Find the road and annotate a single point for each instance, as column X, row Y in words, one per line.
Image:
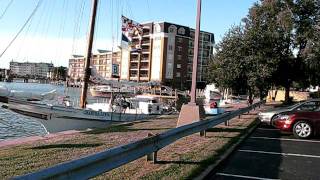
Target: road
column 269, row 154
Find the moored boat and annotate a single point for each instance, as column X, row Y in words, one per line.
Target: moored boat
column 60, row 118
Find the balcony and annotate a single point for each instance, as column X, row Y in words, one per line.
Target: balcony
column 134, row 60
column 144, row 68
column 145, row 43
column 133, row 67
column 145, row 51
column 144, row 60
column 144, row 78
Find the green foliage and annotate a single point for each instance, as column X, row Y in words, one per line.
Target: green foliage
column 278, row 43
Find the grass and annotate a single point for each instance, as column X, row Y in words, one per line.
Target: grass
column 28, row 158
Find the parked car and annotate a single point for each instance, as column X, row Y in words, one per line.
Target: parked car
column 303, row 123
column 268, row 116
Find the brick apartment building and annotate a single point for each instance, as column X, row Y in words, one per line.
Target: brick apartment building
column 101, row 61
column 164, row 53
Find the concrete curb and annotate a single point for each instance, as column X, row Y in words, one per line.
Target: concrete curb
column 227, row 153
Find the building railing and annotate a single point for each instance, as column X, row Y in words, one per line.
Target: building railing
column 96, row 164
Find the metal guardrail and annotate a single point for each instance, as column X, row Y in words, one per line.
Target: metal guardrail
column 93, row 165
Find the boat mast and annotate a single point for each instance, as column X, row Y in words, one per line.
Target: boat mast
column 88, row 55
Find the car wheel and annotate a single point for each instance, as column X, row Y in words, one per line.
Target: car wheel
column 302, row 130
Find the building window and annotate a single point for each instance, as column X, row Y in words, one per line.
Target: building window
column 181, row 31
column 180, row 40
column 178, row 74
column 179, row 48
column 170, row 48
column 178, row 66
column 179, row 57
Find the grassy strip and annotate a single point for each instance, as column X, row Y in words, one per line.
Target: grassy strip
column 177, row 171
column 28, row 158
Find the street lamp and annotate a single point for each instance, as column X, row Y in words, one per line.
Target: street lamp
column 190, row 112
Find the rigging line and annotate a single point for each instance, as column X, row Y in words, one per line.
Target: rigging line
column 117, row 23
column 148, row 6
column 61, row 29
column 37, row 29
column 49, row 21
column 5, row 10
column 77, row 14
column 112, row 13
column 80, row 23
column 23, row 40
column 97, row 29
column 21, row 29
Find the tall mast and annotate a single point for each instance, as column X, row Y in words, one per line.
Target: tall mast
column 88, row 55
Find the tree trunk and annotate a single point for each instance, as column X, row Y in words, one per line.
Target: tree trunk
column 286, row 95
column 250, row 100
column 261, row 94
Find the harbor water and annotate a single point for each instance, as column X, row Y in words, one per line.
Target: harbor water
column 13, row 125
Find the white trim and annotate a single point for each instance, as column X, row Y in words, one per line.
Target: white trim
column 285, row 139
column 241, row 176
column 277, row 153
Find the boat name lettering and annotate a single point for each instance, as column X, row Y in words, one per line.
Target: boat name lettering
column 96, row 113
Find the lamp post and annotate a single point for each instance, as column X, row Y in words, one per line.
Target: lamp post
column 190, row 112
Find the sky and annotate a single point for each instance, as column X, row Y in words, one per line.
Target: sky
column 59, row 28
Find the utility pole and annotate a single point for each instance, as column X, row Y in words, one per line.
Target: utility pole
column 86, row 77
column 190, row 112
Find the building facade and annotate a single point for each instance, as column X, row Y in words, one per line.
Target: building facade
column 103, row 63
column 24, row 69
column 164, row 53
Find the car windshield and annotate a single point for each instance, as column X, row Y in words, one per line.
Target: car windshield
column 294, row 106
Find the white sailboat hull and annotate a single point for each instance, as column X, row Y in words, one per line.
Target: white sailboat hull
column 60, row 118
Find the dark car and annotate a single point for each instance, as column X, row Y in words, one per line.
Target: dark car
column 303, row 123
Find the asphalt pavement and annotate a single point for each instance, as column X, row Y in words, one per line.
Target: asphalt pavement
column 269, row 154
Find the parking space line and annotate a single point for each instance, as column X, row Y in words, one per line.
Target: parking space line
column 284, row 139
column 277, row 153
column 267, row 129
column 241, row 176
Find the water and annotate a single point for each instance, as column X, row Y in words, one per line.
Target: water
column 13, row 125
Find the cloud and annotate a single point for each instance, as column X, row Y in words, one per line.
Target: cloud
column 46, row 49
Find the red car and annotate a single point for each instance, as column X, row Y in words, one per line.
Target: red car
column 303, row 124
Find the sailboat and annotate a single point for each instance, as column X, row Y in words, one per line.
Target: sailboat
column 57, row 118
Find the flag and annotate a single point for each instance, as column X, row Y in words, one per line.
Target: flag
column 130, row 28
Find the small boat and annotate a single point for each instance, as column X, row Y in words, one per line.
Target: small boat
column 57, row 118
column 101, row 91
column 212, row 103
column 6, row 93
column 106, row 91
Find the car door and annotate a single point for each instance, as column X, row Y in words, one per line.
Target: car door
column 310, row 111
column 316, row 118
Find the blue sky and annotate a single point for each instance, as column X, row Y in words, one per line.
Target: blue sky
column 58, row 28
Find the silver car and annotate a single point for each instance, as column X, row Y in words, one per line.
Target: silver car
column 267, row 116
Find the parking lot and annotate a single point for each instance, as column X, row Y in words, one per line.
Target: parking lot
column 268, row 154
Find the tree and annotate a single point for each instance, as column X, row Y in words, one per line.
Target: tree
column 228, row 67
column 307, row 38
column 59, row 73
column 277, row 44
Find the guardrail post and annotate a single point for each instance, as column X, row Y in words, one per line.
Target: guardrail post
column 152, row 156
column 203, row 133
column 226, row 123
